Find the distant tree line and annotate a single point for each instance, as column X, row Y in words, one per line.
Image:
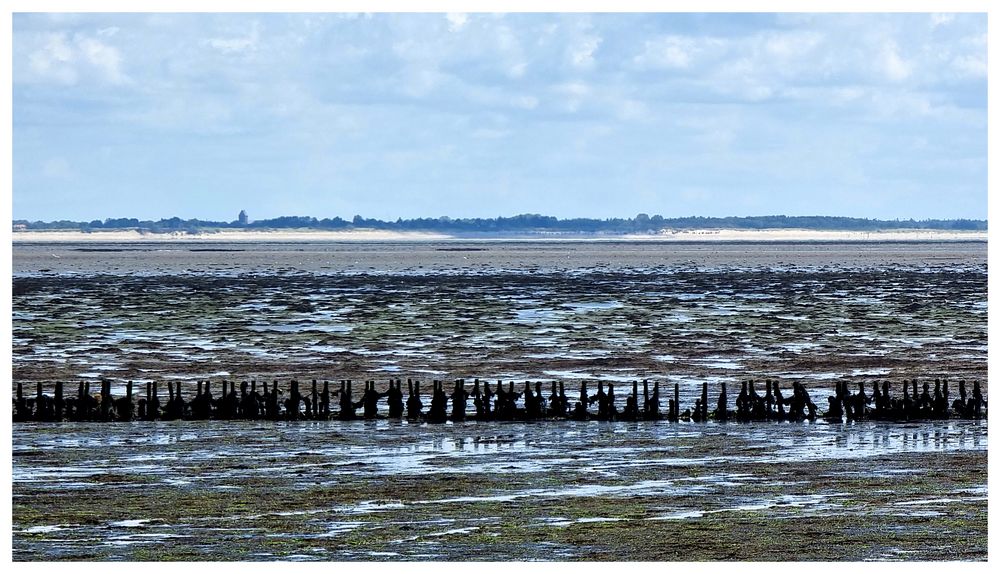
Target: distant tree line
column 524, row 223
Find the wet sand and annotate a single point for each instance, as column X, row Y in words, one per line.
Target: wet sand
column 456, row 257
column 705, row 313
column 812, row 313
column 494, row 491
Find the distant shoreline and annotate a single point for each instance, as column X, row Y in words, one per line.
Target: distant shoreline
column 370, row 235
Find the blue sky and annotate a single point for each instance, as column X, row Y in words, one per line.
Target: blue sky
column 479, row 115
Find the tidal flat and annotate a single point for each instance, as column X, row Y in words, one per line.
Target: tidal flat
column 384, row 490
column 500, row 491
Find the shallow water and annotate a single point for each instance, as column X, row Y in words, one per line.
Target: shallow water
column 675, row 472
column 804, row 312
column 383, row 490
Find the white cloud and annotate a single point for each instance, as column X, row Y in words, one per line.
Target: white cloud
column 572, row 94
column 66, row 61
column 895, row 67
column 54, row 60
column 941, row 19
column 517, row 69
column 237, row 44
column 673, row 51
column 456, row 21
column 792, row 45
column 581, row 54
column 972, row 66
column 105, row 58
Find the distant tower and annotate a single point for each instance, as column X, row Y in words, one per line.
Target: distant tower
column 243, row 217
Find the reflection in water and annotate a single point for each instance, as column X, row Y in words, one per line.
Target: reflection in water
column 388, row 447
column 684, row 471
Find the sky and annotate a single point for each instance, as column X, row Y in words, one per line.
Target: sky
column 480, row 115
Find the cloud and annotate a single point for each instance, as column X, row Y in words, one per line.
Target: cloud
column 941, row 19
column 54, row 60
column 792, row 45
column 581, row 54
column 896, row 68
column 560, row 101
column 678, row 52
column 106, row 59
column 972, row 66
column 64, row 61
column 456, row 21
column 236, row 44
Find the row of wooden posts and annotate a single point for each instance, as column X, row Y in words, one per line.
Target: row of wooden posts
column 492, row 403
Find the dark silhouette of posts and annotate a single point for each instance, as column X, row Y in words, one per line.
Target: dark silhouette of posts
column 721, row 408
column 370, row 400
column 653, row 406
column 324, row 410
column 459, row 401
column 675, row 404
column 978, row 403
column 779, row 401
column 439, row 403
column 750, row 406
column 395, row 399
column 21, row 411
column 40, row 404
column 704, row 401
column 413, row 403
column 554, row 400
column 531, row 403
column 580, row 411
column 645, row 400
column 292, row 405
column 106, row 401
column 124, row 405
column 59, row 403
column 631, row 412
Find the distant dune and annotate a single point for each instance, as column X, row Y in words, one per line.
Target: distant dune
column 293, row 235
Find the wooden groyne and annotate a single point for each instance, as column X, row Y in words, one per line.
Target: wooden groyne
column 497, row 403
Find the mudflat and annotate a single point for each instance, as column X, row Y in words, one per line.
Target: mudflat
column 812, row 313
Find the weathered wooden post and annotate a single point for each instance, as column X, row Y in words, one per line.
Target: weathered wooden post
column 88, row 400
column 677, row 402
column 977, row 401
column 39, row 402
column 59, row 403
column 293, row 401
column 106, row 400
column 181, row 407
column 21, row 405
column 326, row 399
column 704, row 401
column 154, row 403
column 125, row 413
column 645, row 399
column 722, row 409
column 315, row 401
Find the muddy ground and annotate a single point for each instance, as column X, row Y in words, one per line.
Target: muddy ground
column 553, row 491
column 810, row 313
column 815, row 313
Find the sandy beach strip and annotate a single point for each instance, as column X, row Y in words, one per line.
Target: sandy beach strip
column 368, row 235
